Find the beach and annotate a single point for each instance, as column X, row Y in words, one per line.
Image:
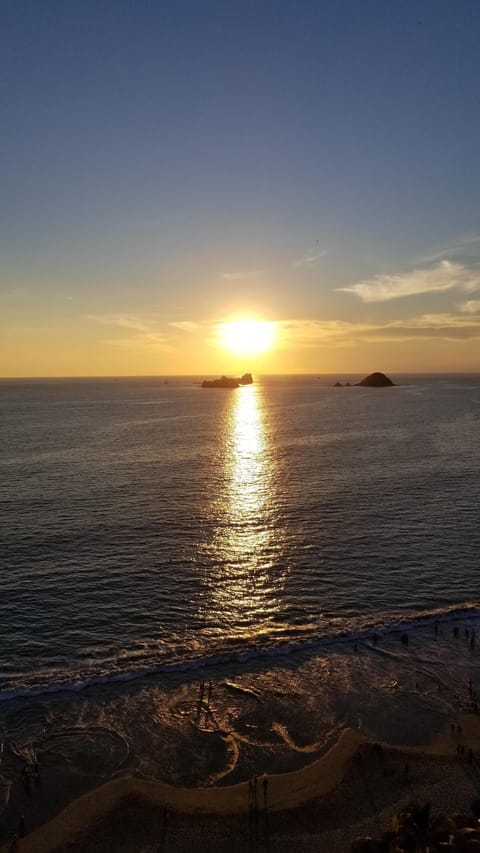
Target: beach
column 354, row 790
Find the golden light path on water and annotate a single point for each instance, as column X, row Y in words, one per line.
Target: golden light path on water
column 244, row 583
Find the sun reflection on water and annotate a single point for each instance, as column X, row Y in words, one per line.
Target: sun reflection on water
column 242, row 579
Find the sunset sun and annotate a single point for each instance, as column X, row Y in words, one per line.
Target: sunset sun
column 247, row 336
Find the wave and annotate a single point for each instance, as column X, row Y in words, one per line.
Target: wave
column 116, row 669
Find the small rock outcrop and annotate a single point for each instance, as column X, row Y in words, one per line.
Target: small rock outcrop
column 246, row 379
column 228, row 381
column 376, row 380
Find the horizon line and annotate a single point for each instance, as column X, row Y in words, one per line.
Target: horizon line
column 199, row 375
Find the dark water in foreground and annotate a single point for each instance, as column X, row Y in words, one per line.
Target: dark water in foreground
column 153, row 536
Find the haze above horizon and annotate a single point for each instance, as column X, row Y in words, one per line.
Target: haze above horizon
column 172, row 172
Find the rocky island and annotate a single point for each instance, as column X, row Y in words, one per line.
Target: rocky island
column 373, row 380
column 228, row 381
column 376, row 380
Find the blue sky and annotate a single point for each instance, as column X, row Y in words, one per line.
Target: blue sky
column 165, row 166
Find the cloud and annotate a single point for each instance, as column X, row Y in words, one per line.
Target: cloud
column 125, row 321
column 470, row 307
column 469, row 243
column 339, row 333
column 236, row 276
column 143, row 337
column 143, row 340
column 185, row 325
column 445, row 276
column 448, row 327
column 310, row 260
column 27, row 294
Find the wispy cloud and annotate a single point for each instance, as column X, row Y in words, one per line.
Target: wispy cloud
column 310, row 260
column 185, row 325
column 449, row 327
column 27, row 294
column 125, row 321
column 444, row 276
column 470, row 307
column 463, row 245
column 339, row 333
column 236, row 276
column 141, row 341
column 144, row 335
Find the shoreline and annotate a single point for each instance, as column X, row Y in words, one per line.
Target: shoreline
column 287, row 792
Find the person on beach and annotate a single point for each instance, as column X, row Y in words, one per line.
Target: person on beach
column 27, row 782
column 201, row 691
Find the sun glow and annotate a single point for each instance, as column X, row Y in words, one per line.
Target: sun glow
column 247, row 336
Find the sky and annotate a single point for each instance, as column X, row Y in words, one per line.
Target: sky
column 170, row 166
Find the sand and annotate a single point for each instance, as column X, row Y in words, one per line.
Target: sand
column 354, row 789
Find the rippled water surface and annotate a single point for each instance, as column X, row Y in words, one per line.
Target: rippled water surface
column 153, row 529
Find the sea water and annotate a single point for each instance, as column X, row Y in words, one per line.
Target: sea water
column 155, row 535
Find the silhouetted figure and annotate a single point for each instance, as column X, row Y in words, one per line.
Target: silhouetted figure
column 355, row 648
column 459, row 729
column 250, row 815
column 436, row 629
column 201, row 691
column 163, row 828
column 455, row 631
column 470, row 756
column 470, row 686
column 452, row 728
column 404, row 639
column 265, row 805
column 255, row 810
column 27, row 782
column 374, row 638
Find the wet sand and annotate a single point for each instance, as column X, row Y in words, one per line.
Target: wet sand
column 352, row 790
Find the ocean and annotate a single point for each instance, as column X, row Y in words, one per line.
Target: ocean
column 272, row 542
